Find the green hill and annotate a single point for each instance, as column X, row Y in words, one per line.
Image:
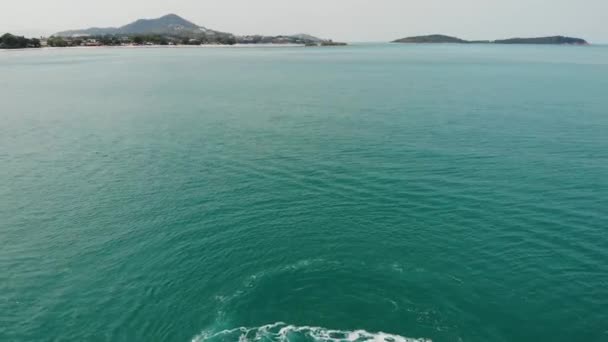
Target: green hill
column 170, row 24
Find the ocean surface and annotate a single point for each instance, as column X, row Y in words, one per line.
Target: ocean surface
column 372, row 192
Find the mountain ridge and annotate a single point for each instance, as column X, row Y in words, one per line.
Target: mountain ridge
column 167, row 24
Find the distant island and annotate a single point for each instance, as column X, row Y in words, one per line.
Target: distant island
column 172, row 29
column 555, row 40
column 433, row 38
column 439, row 38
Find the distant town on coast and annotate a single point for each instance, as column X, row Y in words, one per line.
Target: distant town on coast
column 174, row 30
column 170, row 29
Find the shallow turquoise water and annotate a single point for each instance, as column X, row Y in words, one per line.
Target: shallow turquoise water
column 451, row 193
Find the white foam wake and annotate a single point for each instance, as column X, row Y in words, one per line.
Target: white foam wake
column 285, row 333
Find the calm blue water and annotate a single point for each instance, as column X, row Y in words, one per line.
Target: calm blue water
column 445, row 193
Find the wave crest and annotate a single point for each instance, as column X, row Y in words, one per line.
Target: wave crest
column 284, row 333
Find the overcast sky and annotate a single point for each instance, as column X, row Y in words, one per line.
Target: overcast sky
column 349, row 20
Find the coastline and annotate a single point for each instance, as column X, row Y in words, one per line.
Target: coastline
column 208, row 46
column 271, row 46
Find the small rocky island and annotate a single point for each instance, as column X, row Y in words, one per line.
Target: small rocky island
column 439, row 38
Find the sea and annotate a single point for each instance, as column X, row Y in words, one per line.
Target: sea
column 375, row 192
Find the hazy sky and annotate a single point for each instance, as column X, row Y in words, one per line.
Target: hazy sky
column 349, row 20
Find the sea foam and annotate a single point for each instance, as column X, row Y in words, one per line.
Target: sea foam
column 283, row 332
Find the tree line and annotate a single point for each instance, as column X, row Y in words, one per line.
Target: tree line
column 154, row 39
column 10, row 41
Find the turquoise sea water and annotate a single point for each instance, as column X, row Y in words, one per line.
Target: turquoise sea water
column 450, row 193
